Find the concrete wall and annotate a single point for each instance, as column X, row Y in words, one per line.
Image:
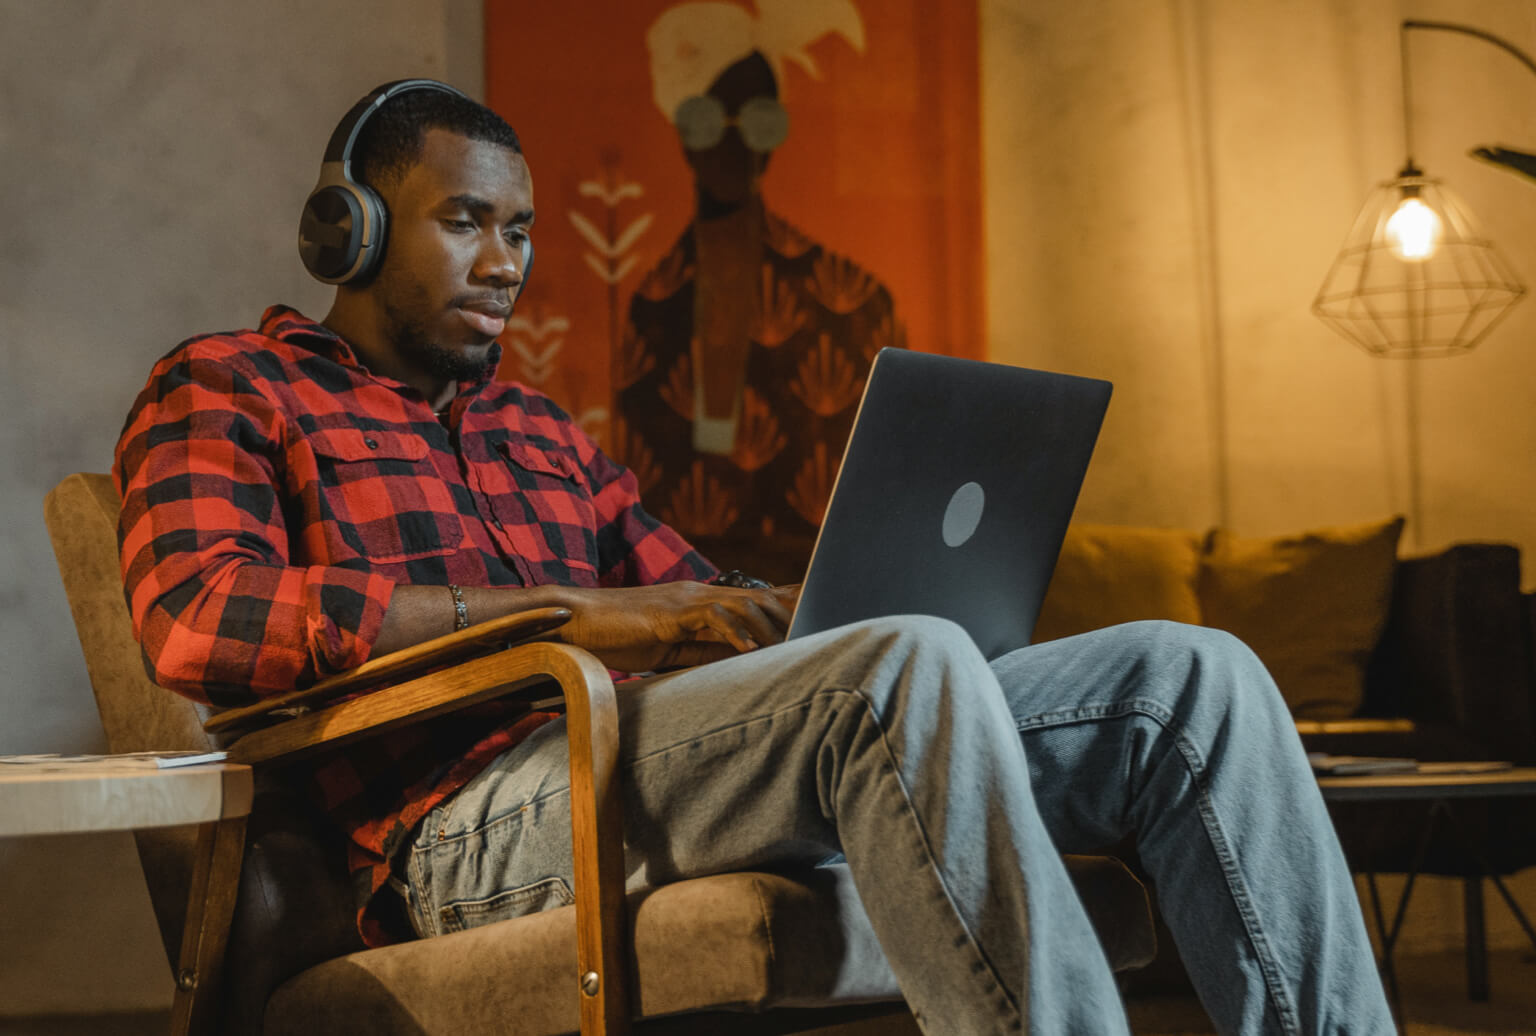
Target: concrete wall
column 1166, row 187
column 153, row 159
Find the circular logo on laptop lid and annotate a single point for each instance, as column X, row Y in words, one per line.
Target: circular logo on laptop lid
column 963, row 514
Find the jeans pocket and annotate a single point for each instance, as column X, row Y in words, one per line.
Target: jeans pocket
column 545, row 894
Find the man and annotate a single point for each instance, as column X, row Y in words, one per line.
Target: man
column 300, row 497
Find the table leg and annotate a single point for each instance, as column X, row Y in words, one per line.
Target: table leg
column 1476, row 936
column 1388, row 970
column 1389, row 935
column 1514, row 907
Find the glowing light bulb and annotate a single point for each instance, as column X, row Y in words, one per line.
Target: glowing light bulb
column 1413, row 231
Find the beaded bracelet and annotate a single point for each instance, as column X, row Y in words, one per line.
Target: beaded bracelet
column 460, row 609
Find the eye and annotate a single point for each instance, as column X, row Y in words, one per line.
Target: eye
column 461, row 226
column 516, row 235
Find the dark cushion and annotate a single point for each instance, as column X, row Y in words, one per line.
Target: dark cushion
column 295, row 905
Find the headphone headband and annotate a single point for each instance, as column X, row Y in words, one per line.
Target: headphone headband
column 344, row 136
column 342, row 229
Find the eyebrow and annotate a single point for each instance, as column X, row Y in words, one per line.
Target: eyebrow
column 480, row 207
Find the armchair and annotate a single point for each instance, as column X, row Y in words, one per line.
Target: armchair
column 793, row 951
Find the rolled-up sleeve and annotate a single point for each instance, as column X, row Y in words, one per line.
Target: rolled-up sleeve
column 222, row 611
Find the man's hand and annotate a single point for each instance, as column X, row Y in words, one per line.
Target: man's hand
column 643, row 628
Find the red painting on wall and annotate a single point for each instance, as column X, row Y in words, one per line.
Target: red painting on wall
column 738, row 205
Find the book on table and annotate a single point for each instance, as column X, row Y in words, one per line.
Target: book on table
column 1326, row 765
column 1358, row 765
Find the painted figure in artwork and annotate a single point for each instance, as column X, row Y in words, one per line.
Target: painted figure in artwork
column 748, row 344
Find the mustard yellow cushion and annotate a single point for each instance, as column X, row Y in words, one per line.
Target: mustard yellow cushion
column 1109, row 574
column 1312, row 606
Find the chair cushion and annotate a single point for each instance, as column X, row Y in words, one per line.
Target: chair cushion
column 700, row 944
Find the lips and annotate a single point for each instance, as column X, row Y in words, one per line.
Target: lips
column 487, row 316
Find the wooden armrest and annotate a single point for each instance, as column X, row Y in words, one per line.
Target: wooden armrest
column 601, row 982
column 493, row 635
column 526, row 670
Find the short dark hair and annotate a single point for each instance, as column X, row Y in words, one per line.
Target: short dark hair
column 392, row 139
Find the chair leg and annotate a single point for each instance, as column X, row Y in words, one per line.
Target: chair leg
column 210, row 907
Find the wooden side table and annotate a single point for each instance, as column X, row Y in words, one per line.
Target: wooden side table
column 95, row 795
column 64, row 797
column 1440, row 791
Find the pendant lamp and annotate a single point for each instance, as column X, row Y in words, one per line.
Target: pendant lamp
column 1416, row 275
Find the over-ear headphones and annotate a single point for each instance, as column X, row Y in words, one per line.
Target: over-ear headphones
column 343, row 228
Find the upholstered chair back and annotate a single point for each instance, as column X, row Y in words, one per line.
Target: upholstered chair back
column 138, row 716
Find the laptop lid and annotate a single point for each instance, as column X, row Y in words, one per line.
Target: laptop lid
column 954, row 496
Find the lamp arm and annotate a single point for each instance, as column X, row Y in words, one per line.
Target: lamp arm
column 1467, row 30
column 1517, row 161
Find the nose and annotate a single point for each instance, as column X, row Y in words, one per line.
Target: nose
column 502, row 263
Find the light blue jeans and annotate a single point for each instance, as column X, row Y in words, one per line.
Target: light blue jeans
column 952, row 787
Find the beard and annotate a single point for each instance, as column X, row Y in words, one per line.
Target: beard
column 441, row 360
column 409, row 334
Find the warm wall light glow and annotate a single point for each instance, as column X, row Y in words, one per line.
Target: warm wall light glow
column 1413, row 231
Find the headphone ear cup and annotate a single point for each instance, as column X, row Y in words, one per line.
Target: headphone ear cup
column 341, row 233
column 344, row 226
column 376, row 235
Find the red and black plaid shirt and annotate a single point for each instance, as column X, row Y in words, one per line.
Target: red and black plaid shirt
column 274, row 494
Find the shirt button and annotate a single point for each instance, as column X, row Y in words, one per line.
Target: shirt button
column 496, row 522
column 371, row 444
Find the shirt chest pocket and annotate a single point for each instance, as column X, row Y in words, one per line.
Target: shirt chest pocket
column 379, row 497
column 548, row 496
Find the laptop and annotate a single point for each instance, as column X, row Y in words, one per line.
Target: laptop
column 954, row 496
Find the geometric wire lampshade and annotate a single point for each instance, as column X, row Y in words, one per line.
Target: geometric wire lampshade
column 1423, row 283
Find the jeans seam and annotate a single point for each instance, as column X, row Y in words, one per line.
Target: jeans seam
column 519, row 810
column 1237, row 886
column 798, row 706
column 447, row 806
column 422, row 903
column 927, row 847
column 497, row 821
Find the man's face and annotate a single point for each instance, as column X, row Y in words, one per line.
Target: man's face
column 458, row 220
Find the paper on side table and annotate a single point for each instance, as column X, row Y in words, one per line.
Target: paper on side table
column 54, row 763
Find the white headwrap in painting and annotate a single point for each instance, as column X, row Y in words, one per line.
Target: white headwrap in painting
column 692, row 43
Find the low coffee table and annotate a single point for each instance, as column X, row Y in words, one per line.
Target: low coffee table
column 1441, row 792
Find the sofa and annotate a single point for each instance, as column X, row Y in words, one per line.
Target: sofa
column 1427, row 657
column 1376, row 654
